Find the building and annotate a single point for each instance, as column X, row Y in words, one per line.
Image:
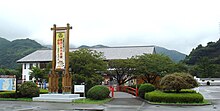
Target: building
column 208, row 81
column 40, row 58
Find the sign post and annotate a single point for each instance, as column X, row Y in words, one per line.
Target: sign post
column 60, row 60
column 8, row 83
column 80, row 89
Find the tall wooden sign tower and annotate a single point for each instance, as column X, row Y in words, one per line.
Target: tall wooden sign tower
column 60, row 60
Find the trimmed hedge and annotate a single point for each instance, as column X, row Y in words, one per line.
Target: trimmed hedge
column 98, row 92
column 12, row 94
column 181, row 91
column 158, row 96
column 145, row 88
column 7, row 94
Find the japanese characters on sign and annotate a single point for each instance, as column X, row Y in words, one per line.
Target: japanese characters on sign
column 60, row 50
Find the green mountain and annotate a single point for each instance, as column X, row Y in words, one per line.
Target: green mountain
column 3, row 43
column 211, row 51
column 11, row 51
column 174, row 55
column 84, row 46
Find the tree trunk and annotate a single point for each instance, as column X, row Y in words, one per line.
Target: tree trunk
column 178, row 90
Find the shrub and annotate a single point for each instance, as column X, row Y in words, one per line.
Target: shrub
column 98, row 92
column 29, row 89
column 158, row 96
column 178, row 81
column 144, row 88
column 8, row 94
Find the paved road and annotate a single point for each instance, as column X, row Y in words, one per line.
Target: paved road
column 124, row 102
column 43, row 106
column 121, row 102
column 209, row 92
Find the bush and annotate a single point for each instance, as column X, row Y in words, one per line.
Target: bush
column 29, row 89
column 145, row 88
column 178, row 81
column 158, row 96
column 7, row 94
column 98, row 92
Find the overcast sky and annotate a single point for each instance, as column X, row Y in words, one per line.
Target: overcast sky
column 174, row 24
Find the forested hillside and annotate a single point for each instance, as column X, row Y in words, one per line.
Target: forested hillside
column 172, row 54
column 211, row 51
column 205, row 60
column 11, row 51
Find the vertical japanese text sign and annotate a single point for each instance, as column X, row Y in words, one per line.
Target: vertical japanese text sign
column 60, row 50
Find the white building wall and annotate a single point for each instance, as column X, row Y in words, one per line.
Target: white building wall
column 26, row 70
column 203, row 81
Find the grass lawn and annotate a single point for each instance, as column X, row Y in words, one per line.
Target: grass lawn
column 44, row 91
column 90, row 101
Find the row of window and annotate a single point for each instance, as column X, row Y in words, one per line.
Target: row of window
column 24, row 78
column 42, row 65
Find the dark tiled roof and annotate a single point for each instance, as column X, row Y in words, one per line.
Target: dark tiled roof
column 109, row 53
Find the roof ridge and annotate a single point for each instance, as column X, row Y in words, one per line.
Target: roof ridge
column 116, row 47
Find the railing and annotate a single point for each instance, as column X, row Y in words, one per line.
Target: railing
column 111, row 89
column 133, row 91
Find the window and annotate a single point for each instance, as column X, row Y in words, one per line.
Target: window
column 31, row 65
column 43, row 65
column 30, row 78
column 24, row 77
column 24, row 66
column 37, row 65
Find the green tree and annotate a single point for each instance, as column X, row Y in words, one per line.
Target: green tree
column 204, row 68
column 211, row 51
column 180, row 67
column 149, row 66
column 37, row 73
column 123, row 70
column 87, row 67
column 41, row 74
column 4, row 71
